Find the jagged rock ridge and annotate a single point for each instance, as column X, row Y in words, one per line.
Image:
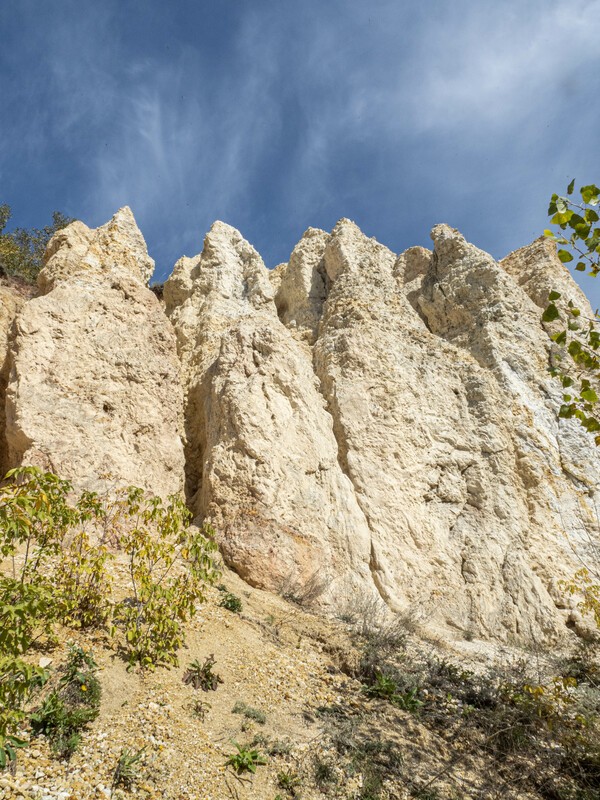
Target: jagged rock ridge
column 356, row 424
column 467, row 493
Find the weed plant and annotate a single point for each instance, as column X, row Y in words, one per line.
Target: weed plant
column 245, row 760
column 231, row 602
column 249, row 712
column 289, row 781
column 70, row 705
column 201, row 676
column 127, row 771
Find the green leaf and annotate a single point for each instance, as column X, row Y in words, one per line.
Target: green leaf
column 571, row 186
column 590, row 194
column 565, row 256
column 562, row 204
column 580, row 266
column 561, row 217
column 548, row 234
column 582, row 229
column 589, row 395
column 553, row 296
column 550, row 314
column 560, row 338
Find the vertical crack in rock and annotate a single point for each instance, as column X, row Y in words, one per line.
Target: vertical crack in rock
column 361, row 361
column 302, row 286
column 10, row 303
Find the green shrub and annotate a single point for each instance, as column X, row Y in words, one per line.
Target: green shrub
column 127, row 770
column 26, row 610
column 18, row 681
column 59, row 560
column 231, row 602
column 58, row 554
column 83, row 583
column 249, row 712
column 385, row 687
column 584, row 585
column 289, row 781
column 22, row 250
column 170, row 565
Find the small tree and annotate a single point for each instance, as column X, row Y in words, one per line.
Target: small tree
column 22, row 250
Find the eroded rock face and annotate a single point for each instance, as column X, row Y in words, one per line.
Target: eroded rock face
column 303, row 285
column 95, row 381
column 261, row 453
column 10, row 303
column 357, row 424
column 538, row 270
column 426, row 460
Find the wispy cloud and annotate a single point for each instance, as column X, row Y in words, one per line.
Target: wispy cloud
column 279, row 116
column 502, row 61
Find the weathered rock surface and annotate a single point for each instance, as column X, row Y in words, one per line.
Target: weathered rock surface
column 261, row 454
column 357, row 424
column 538, row 271
column 95, row 381
column 460, row 488
column 10, row 302
column 303, row 285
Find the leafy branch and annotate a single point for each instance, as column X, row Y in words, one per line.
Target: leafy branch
column 577, row 363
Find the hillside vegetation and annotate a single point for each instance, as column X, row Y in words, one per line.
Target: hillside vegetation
column 125, row 669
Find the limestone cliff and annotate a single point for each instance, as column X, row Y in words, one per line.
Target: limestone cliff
column 356, row 423
column 10, row 303
column 436, row 459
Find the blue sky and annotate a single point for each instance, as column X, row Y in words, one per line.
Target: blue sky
column 274, row 115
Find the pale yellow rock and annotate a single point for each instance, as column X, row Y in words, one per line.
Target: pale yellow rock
column 77, row 251
column 95, row 381
column 261, row 454
column 435, row 373
column 359, row 425
column 538, row 271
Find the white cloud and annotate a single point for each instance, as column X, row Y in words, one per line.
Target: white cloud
column 502, row 61
column 296, row 99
